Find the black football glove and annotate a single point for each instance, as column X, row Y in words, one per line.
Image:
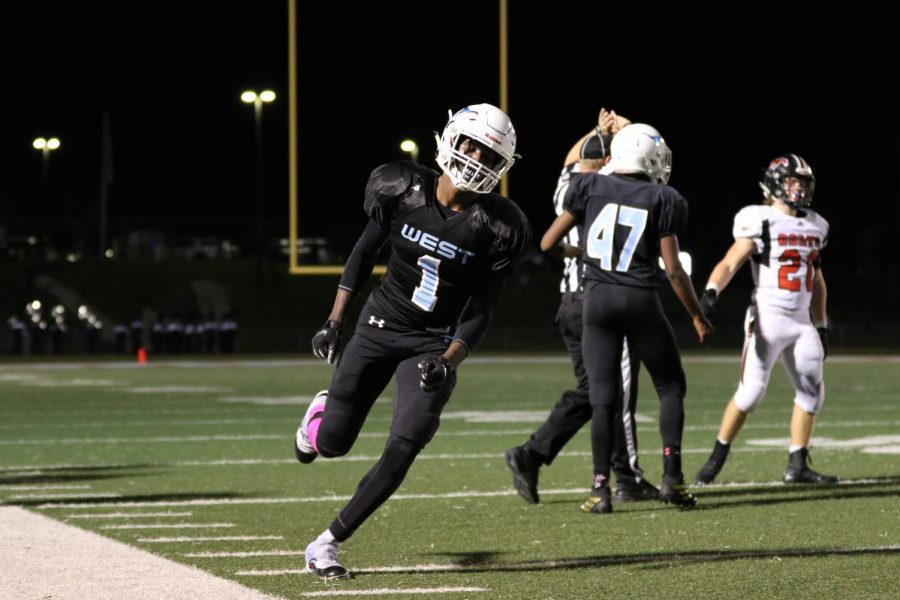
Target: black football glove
column 823, row 335
column 435, row 370
column 327, row 341
column 708, row 304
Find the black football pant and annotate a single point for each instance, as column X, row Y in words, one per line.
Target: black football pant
column 371, row 357
column 612, row 313
column 573, row 409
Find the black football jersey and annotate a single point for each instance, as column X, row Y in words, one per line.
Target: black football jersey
column 438, row 257
column 623, row 219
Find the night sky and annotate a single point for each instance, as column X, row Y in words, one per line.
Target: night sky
column 728, row 88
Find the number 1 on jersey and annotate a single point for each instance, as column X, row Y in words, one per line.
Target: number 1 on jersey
column 425, row 294
column 603, row 232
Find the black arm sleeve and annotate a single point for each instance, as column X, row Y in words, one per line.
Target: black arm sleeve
column 477, row 316
column 362, row 260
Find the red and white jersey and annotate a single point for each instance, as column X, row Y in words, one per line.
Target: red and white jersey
column 786, row 254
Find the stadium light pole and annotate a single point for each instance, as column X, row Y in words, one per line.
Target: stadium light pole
column 412, row 148
column 257, row 100
column 46, row 146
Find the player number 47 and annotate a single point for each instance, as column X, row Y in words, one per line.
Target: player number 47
column 601, row 235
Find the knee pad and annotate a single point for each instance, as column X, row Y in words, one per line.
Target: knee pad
column 811, row 403
column 749, row 395
column 399, row 455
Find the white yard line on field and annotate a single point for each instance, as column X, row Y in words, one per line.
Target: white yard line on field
column 49, row 486
column 392, row 591
column 20, row 371
column 150, row 440
column 569, row 563
column 400, row 497
column 172, row 526
column 43, row 558
column 220, row 538
column 71, row 496
column 127, row 515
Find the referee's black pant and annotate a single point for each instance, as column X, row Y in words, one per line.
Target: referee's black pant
column 573, row 409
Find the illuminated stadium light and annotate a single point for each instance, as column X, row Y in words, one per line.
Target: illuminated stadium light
column 686, row 262
column 411, row 147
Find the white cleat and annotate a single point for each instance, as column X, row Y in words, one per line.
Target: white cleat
column 321, row 560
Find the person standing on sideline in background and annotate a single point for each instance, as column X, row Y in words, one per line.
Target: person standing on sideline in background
column 453, row 243
column 631, row 218
column 588, row 155
column 787, row 315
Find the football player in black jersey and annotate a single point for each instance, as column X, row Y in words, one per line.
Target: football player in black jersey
column 570, row 413
column 631, row 218
column 453, row 242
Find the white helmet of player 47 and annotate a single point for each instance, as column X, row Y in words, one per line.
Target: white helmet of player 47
column 639, row 148
column 489, row 127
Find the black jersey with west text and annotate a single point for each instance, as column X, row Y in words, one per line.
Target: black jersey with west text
column 438, row 257
column 623, row 219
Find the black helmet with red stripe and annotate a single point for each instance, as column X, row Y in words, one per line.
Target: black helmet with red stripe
column 789, row 179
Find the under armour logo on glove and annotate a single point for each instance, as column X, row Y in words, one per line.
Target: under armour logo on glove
column 435, row 370
column 327, row 341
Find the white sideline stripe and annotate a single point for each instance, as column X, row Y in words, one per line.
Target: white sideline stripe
column 43, row 558
column 824, row 442
column 244, row 554
column 151, row 440
column 535, row 359
column 176, row 389
column 172, row 526
column 127, row 515
column 38, row 469
column 45, row 487
column 221, row 538
column 894, row 449
column 188, row 423
column 72, row 496
column 547, row 564
column 448, row 495
column 392, row 591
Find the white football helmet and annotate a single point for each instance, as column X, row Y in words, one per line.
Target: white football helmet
column 487, row 125
column 639, row 148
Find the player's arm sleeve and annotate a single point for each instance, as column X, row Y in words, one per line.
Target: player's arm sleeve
column 477, row 315
column 575, row 197
column 362, row 259
column 673, row 216
column 749, row 224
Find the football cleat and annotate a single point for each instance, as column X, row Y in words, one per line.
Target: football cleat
column 598, row 501
column 627, row 491
column 321, row 560
column 709, row 471
column 524, row 469
column 799, row 472
column 303, row 447
column 677, row 493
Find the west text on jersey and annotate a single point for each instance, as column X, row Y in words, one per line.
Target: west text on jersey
column 434, row 244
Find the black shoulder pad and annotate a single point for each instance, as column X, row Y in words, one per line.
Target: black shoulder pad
column 387, row 185
column 510, row 228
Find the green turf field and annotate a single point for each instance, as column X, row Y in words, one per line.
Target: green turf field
column 139, row 454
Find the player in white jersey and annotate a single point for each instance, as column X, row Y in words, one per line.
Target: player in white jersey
column 786, row 318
